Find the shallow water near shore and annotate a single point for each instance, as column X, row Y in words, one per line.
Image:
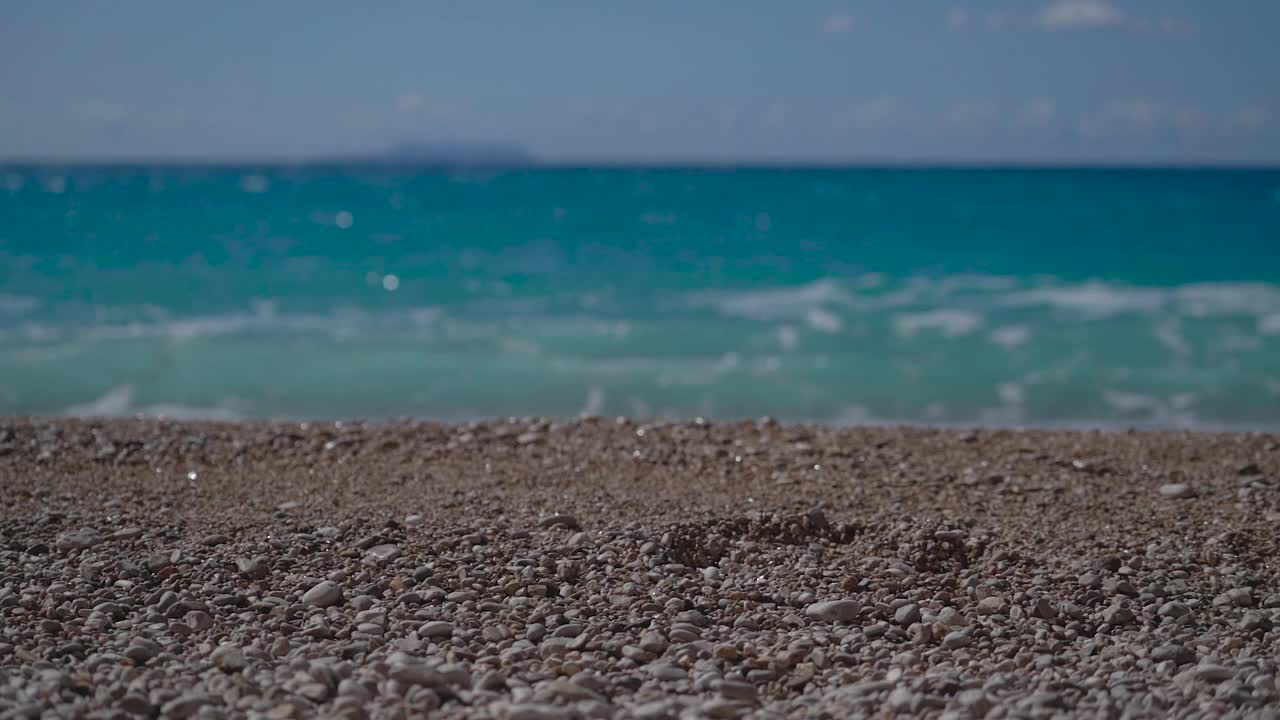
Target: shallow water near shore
column 1102, row 298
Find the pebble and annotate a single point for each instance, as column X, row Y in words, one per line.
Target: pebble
column 436, row 629
column 559, row 520
column 724, row 708
column 1213, row 673
column 734, row 690
column 384, row 553
column 81, row 539
column 1174, row 652
column 253, row 568
column 864, row 609
column 414, row 674
column 992, row 605
column 1251, row 621
column 566, row 690
column 665, row 672
column 1177, row 490
column 285, row 711
column 1239, row 597
column 323, row 594
column 834, row 611
column 1118, row 615
column 188, row 705
column 140, row 650
column 535, row 711
column 229, row 658
column 907, row 615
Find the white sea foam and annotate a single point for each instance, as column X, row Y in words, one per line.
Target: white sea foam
column 119, row 402
column 1169, row 333
column 778, row 303
column 168, row 411
column 342, row 323
column 1092, row 298
column 824, row 321
column 1269, row 324
column 1010, row 336
column 1096, row 298
column 594, row 403
column 114, row 402
column 1207, row 299
column 1011, row 393
column 951, row 323
column 1129, row 401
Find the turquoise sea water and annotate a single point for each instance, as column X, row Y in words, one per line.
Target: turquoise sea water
column 949, row 296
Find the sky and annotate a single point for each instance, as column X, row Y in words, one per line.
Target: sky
column 878, row 80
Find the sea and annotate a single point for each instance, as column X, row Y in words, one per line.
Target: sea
column 1011, row 297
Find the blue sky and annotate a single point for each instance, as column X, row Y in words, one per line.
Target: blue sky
column 1075, row 80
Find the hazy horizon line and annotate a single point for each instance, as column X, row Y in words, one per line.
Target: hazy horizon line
column 608, row 162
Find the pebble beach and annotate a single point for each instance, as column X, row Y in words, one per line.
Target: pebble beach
column 531, row 570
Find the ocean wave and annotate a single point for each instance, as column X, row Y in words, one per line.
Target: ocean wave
column 1010, row 336
column 951, row 323
column 1091, row 298
column 264, row 319
column 119, row 402
column 775, row 303
column 1269, row 324
column 1096, row 298
column 981, row 293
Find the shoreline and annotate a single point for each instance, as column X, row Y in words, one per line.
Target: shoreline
column 602, row 568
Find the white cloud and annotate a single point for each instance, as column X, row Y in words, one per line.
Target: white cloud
column 1073, row 14
column 1092, row 14
column 412, row 103
column 838, row 24
column 1036, row 113
column 968, row 115
column 957, row 18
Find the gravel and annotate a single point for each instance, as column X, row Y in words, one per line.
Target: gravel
column 601, row 569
